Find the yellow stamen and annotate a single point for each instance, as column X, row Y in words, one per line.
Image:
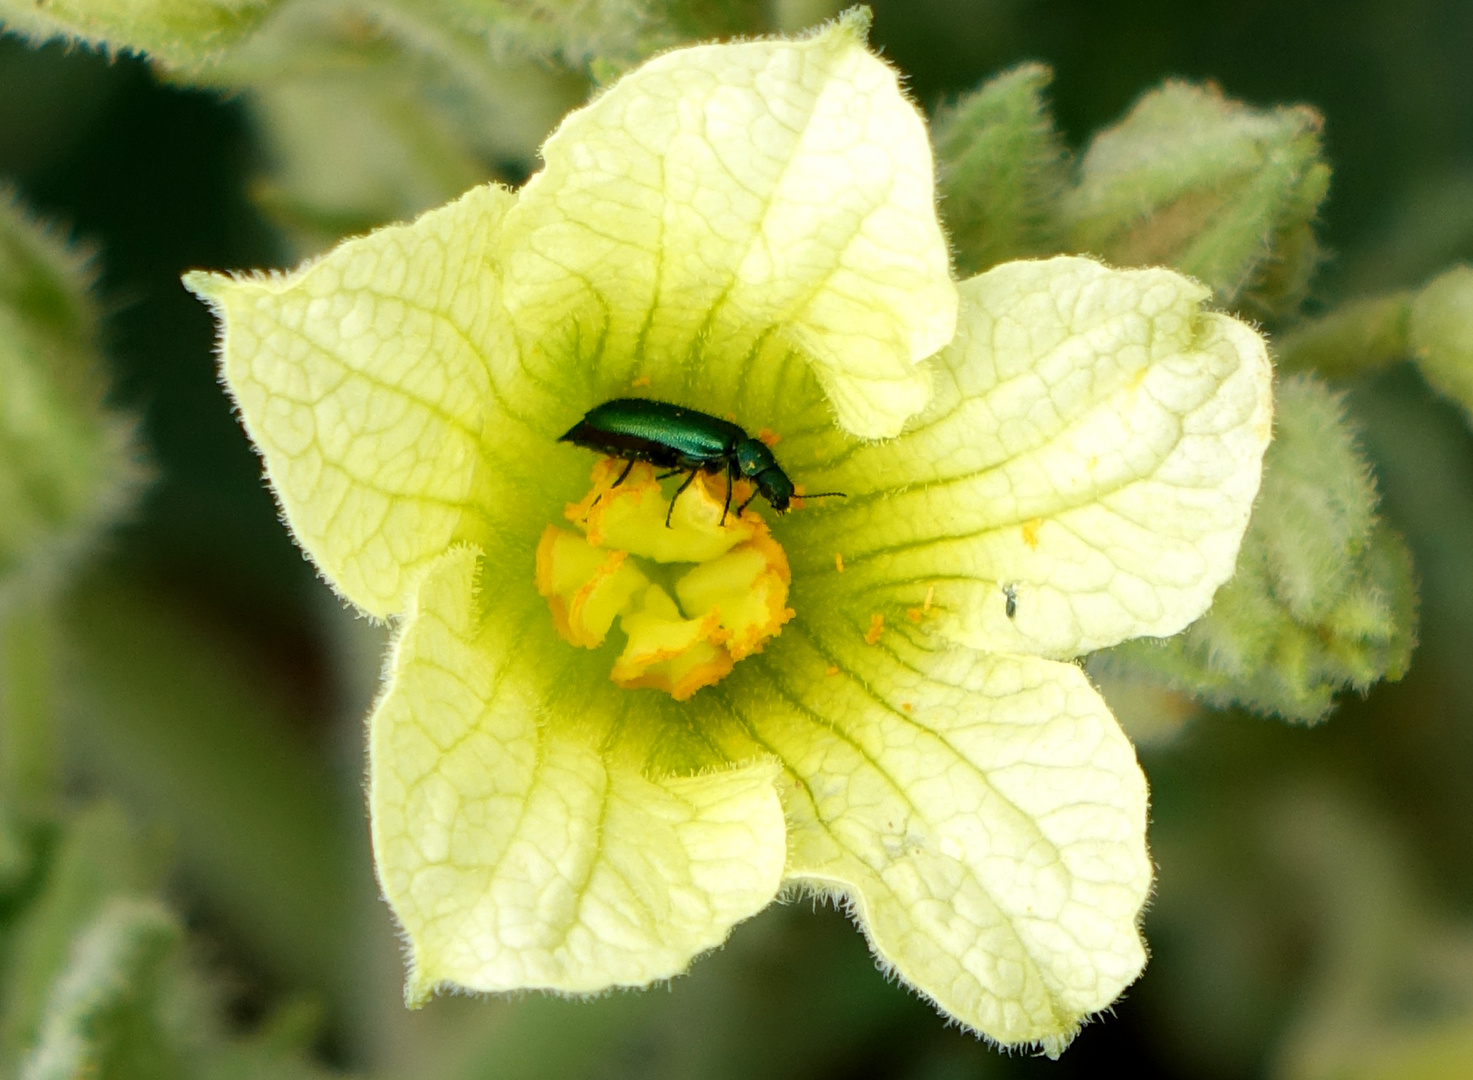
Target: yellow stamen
column 668, row 652
column 838, row 562
column 586, row 587
column 731, row 601
column 631, row 517
column 930, row 595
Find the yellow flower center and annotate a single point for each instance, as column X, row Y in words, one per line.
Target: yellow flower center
column 725, row 606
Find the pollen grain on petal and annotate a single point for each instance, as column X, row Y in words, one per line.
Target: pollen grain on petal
column 876, row 628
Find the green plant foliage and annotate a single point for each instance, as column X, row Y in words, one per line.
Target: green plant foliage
column 1324, row 597
column 68, row 465
column 101, row 1015
column 182, row 33
column 1001, row 170
column 368, row 117
column 616, row 32
column 1440, row 333
column 1221, row 191
column 1361, row 335
column 100, row 856
column 1431, row 325
column 373, row 112
column 167, row 718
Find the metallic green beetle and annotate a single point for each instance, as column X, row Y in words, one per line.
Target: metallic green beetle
column 676, row 438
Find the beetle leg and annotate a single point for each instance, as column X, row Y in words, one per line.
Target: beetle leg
column 746, row 504
column 615, row 484
column 668, row 475
column 678, row 493
column 731, row 468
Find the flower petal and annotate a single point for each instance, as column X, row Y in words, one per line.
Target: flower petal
column 983, row 817
column 522, row 840
column 1083, row 475
column 734, row 203
column 362, row 379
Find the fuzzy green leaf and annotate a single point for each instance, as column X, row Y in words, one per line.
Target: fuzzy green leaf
column 1216, row 189
column 1324, row 597
column 182, row 33
column 100, row 857
column 67, row 464
column 1000, row 164
column 101, row 1016
column 1359, row 336
column 375, row 118
column 1440, row 334
column 612, row 33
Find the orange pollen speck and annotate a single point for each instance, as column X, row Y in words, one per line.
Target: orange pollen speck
column 643, row 380
column 832, row 669
column 770, row 437
column 838, row 562
column 1030, row 531
column 876, row 628
column 907, row 706
column 913, row 614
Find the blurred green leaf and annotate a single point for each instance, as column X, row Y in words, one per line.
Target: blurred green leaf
column 172, row 719
column 373, row 115
column 793, row 995
column 177, row 32
column 68, row 465
column 97, row 987
column 28, row 766
column 1221, row 191
column 1324, row 597
column 375, row 111
column 620, row 32
column 100, row 856
column 1000, row 170
column 1432, row 325
column 101, row 1019
column 1440, row 334
column 1389, row 992
column 1361, row 335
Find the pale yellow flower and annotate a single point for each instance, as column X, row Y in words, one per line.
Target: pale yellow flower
column 749, row 230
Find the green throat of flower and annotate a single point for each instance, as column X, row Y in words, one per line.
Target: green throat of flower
column 632, row 550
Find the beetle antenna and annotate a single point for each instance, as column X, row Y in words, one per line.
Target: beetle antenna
column 824, row 495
